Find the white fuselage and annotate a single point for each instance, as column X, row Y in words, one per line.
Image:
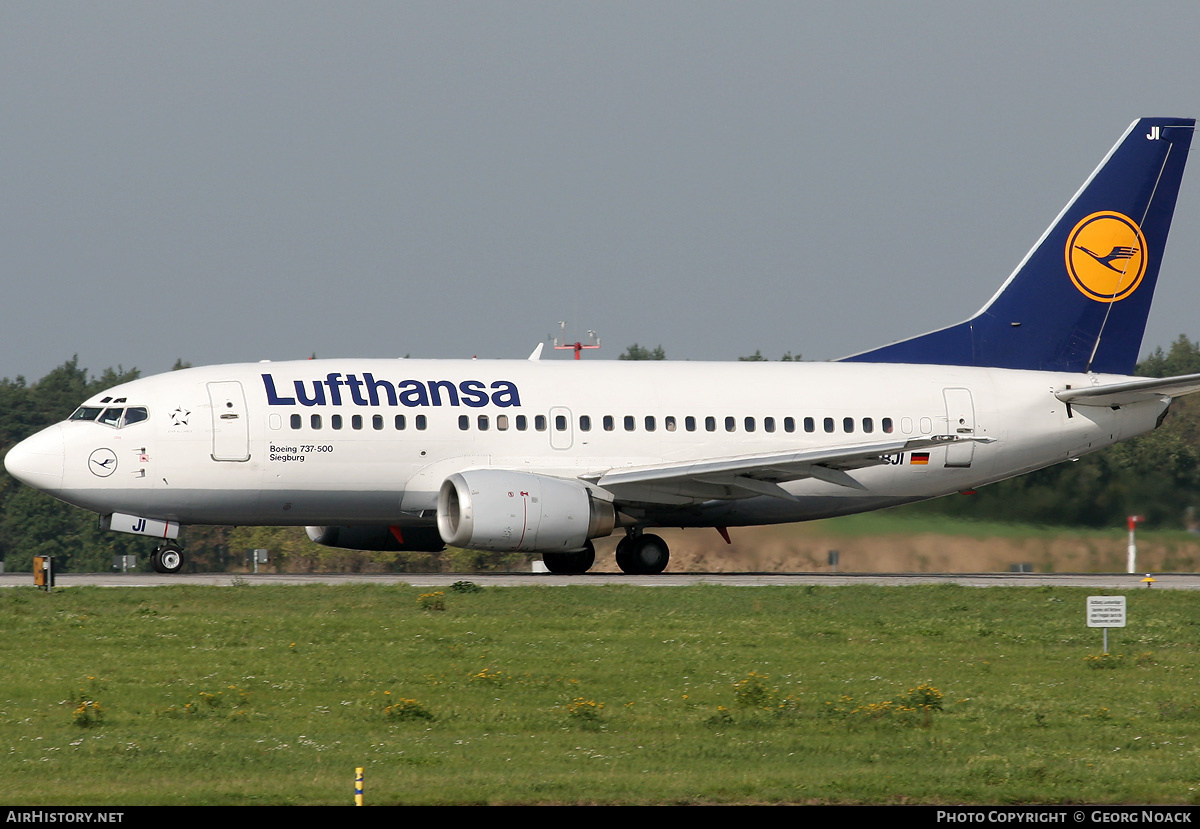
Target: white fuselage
column 371, row 441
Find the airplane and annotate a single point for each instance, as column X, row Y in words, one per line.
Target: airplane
column 545, row 456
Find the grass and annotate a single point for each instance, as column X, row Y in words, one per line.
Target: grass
column 610, row 694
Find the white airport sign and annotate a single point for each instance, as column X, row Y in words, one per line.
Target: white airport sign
column 1106, row 611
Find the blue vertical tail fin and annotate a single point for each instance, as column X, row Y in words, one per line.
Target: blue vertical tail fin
column 1080, row 298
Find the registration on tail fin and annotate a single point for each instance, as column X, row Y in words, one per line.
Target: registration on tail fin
column 1080, row 298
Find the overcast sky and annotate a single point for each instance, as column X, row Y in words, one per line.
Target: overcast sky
column 229, row 181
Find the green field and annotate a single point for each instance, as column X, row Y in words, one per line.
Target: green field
column 621, row 694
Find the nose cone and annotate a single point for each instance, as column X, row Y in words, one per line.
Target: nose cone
column 38, row 460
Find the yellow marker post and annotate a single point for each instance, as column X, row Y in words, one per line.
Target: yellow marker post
column 1149, row 580
column 43, row 572
column 358, row 786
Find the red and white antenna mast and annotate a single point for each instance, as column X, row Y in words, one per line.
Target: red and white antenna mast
column 593, row 341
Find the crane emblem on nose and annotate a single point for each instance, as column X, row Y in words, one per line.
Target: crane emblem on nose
column 103, row 462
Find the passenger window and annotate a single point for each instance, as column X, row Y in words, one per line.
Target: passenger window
column 749, row 424
column 502, row 423
column 539, row 423
column 768, row 424
column 560, row 423
column 868, row 424
column 828, row 424
column 585, row 423
column 789, row 424
column 730, row 424
column 649, row 423
column 689, row 423
column 669, row 423
column 483, row 423
column 297, row 421
column 809, row 425
column 315, row 421
column 421, row 423
column 629, row 423
column 377, row 422
column 356, row 422
column 847, row 424
column 400, row 422
column 335, row 421
column 522, row 423
column 464, row 422
column 887, row 425
column 710, row 424
column 609, row 423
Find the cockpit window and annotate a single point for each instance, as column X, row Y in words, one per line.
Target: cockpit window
column 115, row 416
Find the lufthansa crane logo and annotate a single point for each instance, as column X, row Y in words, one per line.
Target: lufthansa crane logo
column 1106, row 256
column 103, row 462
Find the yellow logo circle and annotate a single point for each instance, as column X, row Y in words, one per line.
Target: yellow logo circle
column 1106, row 256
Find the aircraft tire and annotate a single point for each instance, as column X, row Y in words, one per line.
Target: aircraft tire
column 570, row 564
column 642, row 555
column 624, row 556
column 649, row 554
column 167, row 559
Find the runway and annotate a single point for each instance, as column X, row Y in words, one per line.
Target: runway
column 1094, row 581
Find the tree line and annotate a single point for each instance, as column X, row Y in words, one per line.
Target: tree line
column 1156, row 475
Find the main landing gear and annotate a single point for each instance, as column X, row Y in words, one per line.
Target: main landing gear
column 639, row 554
column 642, row 554
column 167, row 558
column 570, row 564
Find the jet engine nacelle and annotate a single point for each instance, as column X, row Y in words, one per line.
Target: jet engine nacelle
column 379, row 539
column 503, row 511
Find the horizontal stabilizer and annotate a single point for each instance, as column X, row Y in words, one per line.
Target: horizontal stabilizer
column 1132, row 391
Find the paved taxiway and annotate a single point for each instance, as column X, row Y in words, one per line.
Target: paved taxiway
column 1094, row 581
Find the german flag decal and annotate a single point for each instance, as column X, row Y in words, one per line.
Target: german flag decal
column 919, row 459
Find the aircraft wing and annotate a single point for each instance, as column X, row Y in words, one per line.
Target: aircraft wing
column 1131, row 391
column 748, row 476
